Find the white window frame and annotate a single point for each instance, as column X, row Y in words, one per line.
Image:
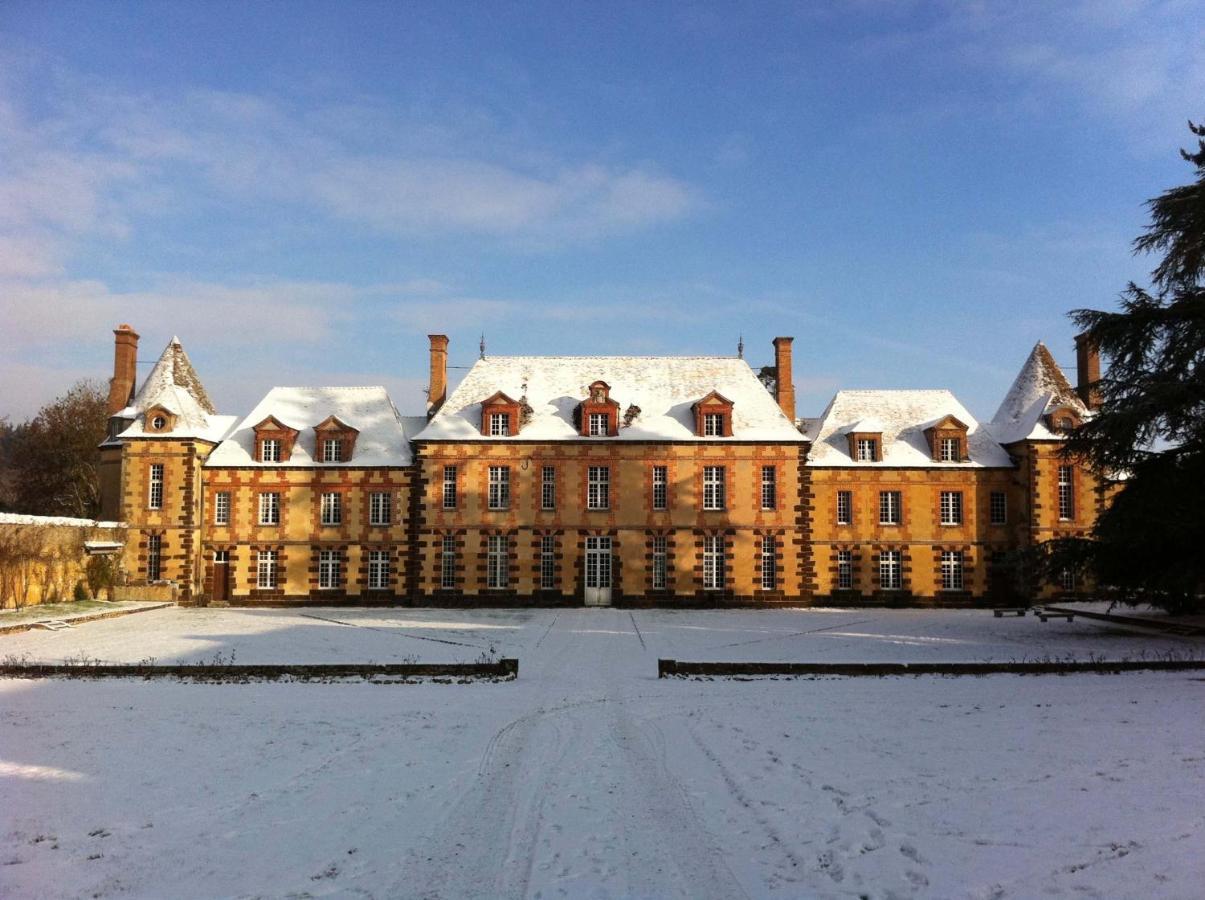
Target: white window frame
column 380, row 508
column 1066, row 476
column 154, row 557
column 998, row 508
column 713, row 562
column 891, row 570
column 449, row 487
column 499, row 487
column 950, row 504
column 1067, row 579
column 221, row 508
column 713, row 424
column 769, row 488
column 659, row 561
column 891, row 507
column 547, row 488
column 497, row 568
column 269, row 508
column 331, row 508
column 845, row 507
column 598, row 487
column 952, row 570
column 845, row 570
column 154, row 495
column 947, row 449
column 447, row 562
column 598, row 424
column 378, row 570
column 660, row 488
column 499, row 424
column 769, row 562
column 330, row 566
column 265, row 570
column 713, row 487
column 332, row 450
column 269, row 450
column 867, row 449
column 548, row 562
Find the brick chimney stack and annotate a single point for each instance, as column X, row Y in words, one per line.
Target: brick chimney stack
column 125, row 368
column 785, row 385
column 1087, row 365
column 437, row 391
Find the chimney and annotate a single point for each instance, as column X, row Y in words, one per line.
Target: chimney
column 784, row 391
column 1087, row 365
column 125, row 373
column 437, row 391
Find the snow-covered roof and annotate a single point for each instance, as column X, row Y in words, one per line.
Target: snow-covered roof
column 901, row 417
column 663, row 388
column 22, row 519
column 383, row 439
column 1040, row 387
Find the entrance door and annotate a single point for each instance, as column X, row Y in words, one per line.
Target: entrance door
column 598, row 571
column 221, row 575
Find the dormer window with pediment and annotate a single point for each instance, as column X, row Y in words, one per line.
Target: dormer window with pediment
column 500, row 416
column 1063, row 420
column 865, row 444
column 334, row 440
column 274, row 440
column 947, row 439
column 713, row 416
column 599, row 414
column 159, row 420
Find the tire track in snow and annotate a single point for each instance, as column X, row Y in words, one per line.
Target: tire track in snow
column 396, row 632
column 636, row 628
column 780, row 637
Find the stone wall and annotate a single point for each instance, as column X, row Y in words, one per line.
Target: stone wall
column 42, row 558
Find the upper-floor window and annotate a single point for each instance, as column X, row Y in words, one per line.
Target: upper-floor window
column 845, row 507
column 660, row 554
column 599, row 424
column 951, row 570
column 497, row 570
column 713, row 424
column 845, row 570
column 332, row 508
column 998, row 508
column 868, row 449
column 499, row 487
column 713, row 562
column 598, row 487
column 889, row 507
column 951, row 507
column 380, row 508
column 769, row 487
column 154, row 557
column 329, row 566
column 769, row 563
column 548, row 562
column 332, row 450
column 378, row 570
column 159, row 423
column 221, row 508
column 447, row 562
column 269, row 450
column 890, row 570
column 265, row 570
column 660, row 487
column 713, row 487
column 499, row 424
column 449, row 487
column 269, row 509
column 547, row 487
column 154, row 498
column 949, row 449
column 1066, row 493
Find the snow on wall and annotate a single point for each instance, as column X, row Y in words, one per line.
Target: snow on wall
column 22, row 519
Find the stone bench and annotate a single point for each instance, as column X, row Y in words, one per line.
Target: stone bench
column 1009, row 611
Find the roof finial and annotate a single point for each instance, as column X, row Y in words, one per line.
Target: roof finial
column 482, row 345
column 740, row 347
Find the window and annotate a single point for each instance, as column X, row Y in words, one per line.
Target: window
column 329, row 565
column 548, row 487
column 332, row 508
column 890, row 576
column 660, row 487
column 769, row 563
column 265, row 570
column 158, row 423
column 951, row 570
column 269, row 450
column 154, row 499
column 948, row 449
column 713, row 424
column 713, row 487
column 599, row 424
column 1066, row 426
column 378, row 570
column 845, row 570
column 269, row 509
column 1067, row 579
column 449, row 487
column 951, row 507
column 221, row 508
column 889, row 507
column 380, row 508
column 845, row 507
column 660, row 553
column 998, row 508
column 713, row 562
column 769, row 487
column 598, row 487
column 332, row 450
column 868, row 449
column 547, row 562
column 154, row 557
column 221, row 557
column 499, row 490
column 497, row 570
column 1066, row 494
column 499, row 424
column 447, row 562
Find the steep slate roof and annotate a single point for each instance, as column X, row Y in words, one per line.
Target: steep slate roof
column 174, row 385
column 664, row 388
column 1040, row 387
column 383, row 439
column 902, row 417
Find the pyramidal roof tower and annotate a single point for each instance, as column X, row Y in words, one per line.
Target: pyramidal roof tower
column 1039, row 389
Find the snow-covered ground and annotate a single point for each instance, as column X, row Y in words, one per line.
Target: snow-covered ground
column 588, row 776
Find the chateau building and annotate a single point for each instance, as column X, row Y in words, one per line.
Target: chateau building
column 592, row 480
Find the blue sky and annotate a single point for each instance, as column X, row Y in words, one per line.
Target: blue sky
column 916, row 191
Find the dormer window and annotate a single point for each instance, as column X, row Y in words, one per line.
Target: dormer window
column 159, row 420
column 332, row 450
column 713, row 424
column 269, row 450
column 499, row 424
column 599, row 414
column 599, row 424
column 499, row 416
column 1063, row 420
column 868, row 449
column 713, row 416
column 274, row 441
column 947, row 439
column 158, row 423
column 947, row 449
column 334, row 440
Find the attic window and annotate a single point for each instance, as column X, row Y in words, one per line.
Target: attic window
column 500, row 416
column 499, row 424
column 713, row 424
column 868, row 449
column 713, row 416
column 274, row 440
column 159, row 423
column 599, row 414
column 947, row 449
column 334, row 440
column 332, row 450
column 269, row 450
column 947, row 439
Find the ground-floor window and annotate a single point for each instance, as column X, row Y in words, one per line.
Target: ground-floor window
column 713, row 562
column 660, row 545
column 497, row 569
column 951, row 570
column 1067, row 579
column 329, row 575
column 769, row 563
column 378, row 570
column 547, row 562
column 845, row 570
column 154, row 557
column 447, row 562
column 890, row 574
column 265, row 570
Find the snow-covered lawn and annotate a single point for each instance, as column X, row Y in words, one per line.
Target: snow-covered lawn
column 588, row 776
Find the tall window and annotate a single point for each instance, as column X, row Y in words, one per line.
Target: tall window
column 890, row 575
column 329, row 564
column 660, row 487
column 497, row 570
column 269, row 509
column 449, row 487
column 447, row 562
column 867, row 449
column 713, row 424
column 769, row 487
column 998, row 508
column 154, row 498
column 713, row 487
column 547, row 562
column 769, row 563
column 713, row 562
column 845, row 570
column 265, row 570
column 1066, row 493
column 380, row 508
column 951, row 570
column 378, row 570
column 221, row 508
column 1067, row 579
column 332, row 508
column 951, row 507
column 499, row 487
column 598, row 487
column 598, row 424
column 889, row 507
column 332, row 450
column 548, row 487
column 660, row 553
column 499, row 424
column 947, row 449
column 154, row 557
column 845, row 507
column 269, row 450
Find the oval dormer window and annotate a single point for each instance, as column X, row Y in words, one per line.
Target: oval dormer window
column 159, row 423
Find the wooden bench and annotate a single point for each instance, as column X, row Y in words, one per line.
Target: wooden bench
column 1010, row 611
column 1046, row 615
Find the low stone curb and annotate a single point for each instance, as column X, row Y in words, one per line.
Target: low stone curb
column 75, row 620
column 502, row 669
column 1174, row 628
column 672, row 668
